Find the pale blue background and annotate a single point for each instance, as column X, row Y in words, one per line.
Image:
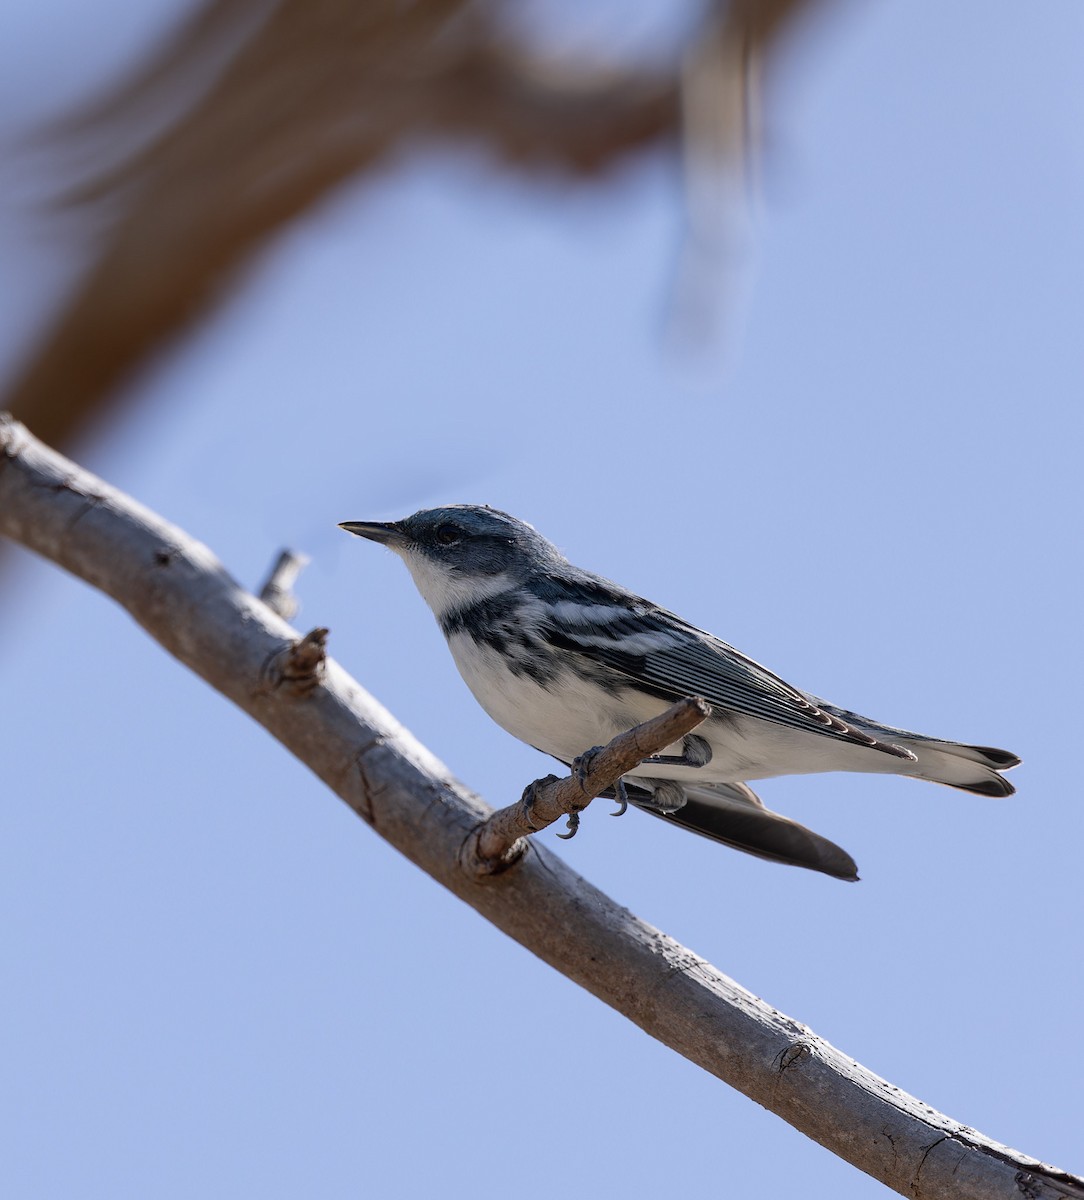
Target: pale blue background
column 218, row 982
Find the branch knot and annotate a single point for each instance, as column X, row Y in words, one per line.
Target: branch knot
column 299, row 667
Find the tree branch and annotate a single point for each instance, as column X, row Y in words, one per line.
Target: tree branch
column 179, row 592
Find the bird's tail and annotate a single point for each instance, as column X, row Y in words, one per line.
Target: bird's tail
column 733, row 814
column 972, row 768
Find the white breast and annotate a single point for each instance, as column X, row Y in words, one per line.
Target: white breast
column 563, row 721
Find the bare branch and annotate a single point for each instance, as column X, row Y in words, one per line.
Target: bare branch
column 494, row 846
column 177, row 590
column 278, row 592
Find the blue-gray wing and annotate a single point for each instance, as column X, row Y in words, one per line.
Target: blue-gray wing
column 660, row 653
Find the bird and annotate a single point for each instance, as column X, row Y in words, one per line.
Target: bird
column 565, row 660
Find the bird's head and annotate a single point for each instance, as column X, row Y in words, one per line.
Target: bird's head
column 462, row 553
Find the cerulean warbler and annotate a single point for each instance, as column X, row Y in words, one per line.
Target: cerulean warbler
column 565, row 660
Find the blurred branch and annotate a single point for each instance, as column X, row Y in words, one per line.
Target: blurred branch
column 722, row 98
column 253, row 111
column 315, row 94
column 182, row 595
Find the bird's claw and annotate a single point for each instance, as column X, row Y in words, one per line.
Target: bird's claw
column 573, row 827
column 581, row 766
column 530, row 795
column 622, row 799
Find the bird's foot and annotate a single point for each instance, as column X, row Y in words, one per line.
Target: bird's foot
column 573, row 827
column 695, row 752
column 622, row 799
column 666, row 797
column 581, row 766
column 530, row 795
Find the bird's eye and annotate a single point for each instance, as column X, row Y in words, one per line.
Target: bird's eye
column 448, row 534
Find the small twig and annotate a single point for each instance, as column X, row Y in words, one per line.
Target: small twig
column 495, row 844
column 299, row 667
column 277, row 593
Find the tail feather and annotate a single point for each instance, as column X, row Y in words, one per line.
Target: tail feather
column 971, row 768
column 988, row 756
column 732, row 813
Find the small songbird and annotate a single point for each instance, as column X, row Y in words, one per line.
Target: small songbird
column 565, row 660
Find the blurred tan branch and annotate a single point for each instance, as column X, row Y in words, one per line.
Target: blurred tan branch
column 317, row 93
column 255, row 110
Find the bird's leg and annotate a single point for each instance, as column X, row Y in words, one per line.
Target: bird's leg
column 695, row 752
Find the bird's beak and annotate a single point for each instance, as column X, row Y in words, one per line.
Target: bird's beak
column 387, row 533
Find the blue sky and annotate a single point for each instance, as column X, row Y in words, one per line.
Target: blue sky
column 217, row 980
